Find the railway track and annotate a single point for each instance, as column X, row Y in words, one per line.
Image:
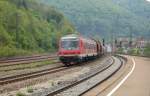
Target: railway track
column 25, row 76
column 26, row 60
column 122, row 60
column 20, row 77
column 75, row 88
column 13, row 59
column 63, row 90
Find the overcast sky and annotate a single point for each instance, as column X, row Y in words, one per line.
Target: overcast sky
column 148, row 0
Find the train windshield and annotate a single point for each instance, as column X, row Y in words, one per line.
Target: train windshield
column 70, row 44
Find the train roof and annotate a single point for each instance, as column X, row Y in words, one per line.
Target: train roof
column 76, row 36
column 71, row 36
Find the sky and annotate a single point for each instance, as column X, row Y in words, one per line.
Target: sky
column 148, row 0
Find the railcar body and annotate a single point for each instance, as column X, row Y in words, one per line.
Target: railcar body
column 74, row 49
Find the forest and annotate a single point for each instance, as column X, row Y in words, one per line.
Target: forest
column 107, row 18
column 35, row 26
column 28, row 27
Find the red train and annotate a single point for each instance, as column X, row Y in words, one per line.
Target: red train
column 74, row 49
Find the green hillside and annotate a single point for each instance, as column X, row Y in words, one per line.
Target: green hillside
column 105, row 17
column 29, row 27
column 138, row 7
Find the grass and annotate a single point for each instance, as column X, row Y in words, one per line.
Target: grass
column 30, row 89
column 134, row 51
column 20, row 94
column 10, row 52
column 26, row 66
column 147, row 51
column 120, row 50
column 137, row 51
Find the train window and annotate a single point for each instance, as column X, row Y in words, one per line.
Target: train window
column 70, row 44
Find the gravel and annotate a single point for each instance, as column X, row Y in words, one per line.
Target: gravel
column 67, row 82
column 47, row 83
column 82, row 87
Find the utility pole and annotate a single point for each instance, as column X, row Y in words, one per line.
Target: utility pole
column 112, row 40
column 114, row 34
column 131, row 37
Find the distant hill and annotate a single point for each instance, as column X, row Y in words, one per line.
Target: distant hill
column 138, row 7
column 105, row 18
column 28, row 27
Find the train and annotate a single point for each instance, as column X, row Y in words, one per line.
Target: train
column 74, row 49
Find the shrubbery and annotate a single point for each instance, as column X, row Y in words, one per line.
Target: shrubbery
column 147, row 51
column 28, row 27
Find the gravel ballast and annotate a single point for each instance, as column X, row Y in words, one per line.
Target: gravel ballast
column 47, row 83
column 63, row 83
column 84, row 86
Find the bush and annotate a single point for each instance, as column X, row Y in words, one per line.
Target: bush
column 120, row 51
column 20, row 94
column 147, row 51
column 134, row 51
column 36, row 29
column 30, row 90
column 8, row 52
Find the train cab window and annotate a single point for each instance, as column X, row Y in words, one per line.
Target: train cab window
column 70, row 44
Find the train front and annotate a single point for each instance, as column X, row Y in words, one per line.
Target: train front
column 69, row 49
